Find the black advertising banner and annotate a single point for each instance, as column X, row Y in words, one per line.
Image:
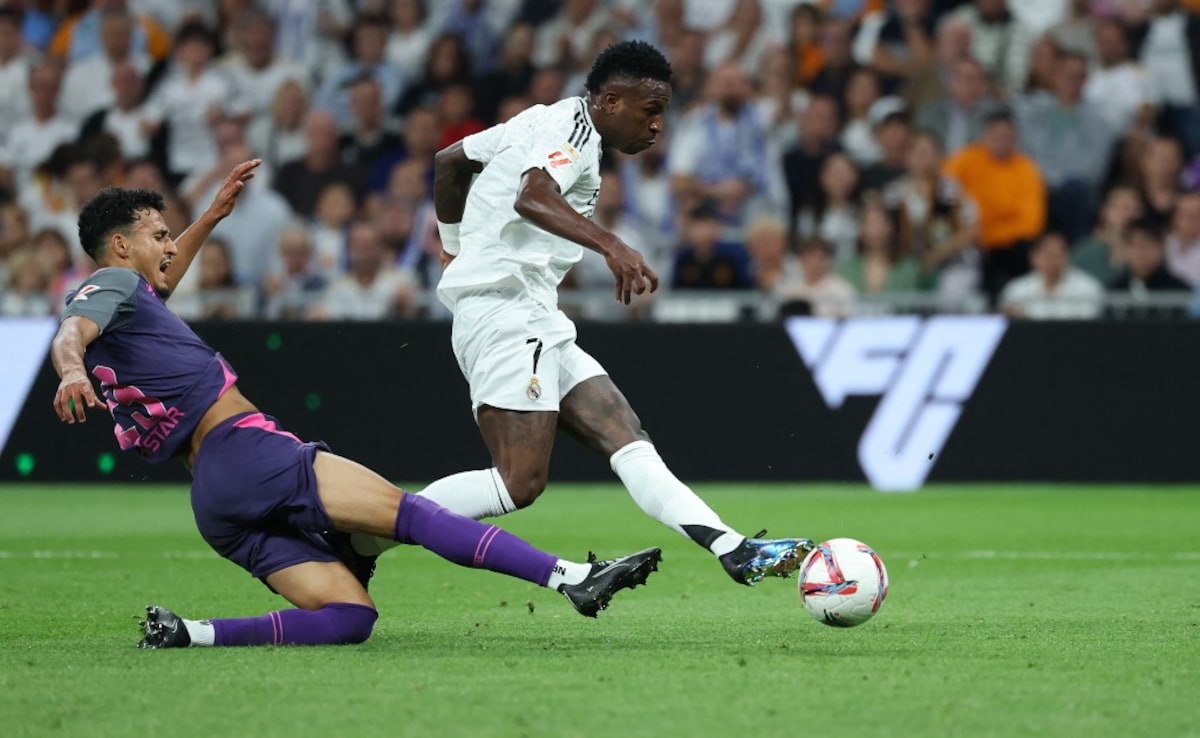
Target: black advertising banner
column 896, row 402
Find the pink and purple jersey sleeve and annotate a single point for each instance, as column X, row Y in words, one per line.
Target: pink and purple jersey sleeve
column 156, row 375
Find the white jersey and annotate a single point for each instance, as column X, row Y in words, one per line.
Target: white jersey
column 498, row 247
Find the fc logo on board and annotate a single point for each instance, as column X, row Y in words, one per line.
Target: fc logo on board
column 925, row 369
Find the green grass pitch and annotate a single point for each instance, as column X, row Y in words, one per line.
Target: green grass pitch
column 1013, row 611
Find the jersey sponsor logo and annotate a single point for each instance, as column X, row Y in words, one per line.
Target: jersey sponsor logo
column 86, row 290
column 925, row 370
column 558, row 159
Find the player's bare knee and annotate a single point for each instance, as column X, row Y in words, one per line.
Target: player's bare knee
column 524, row 489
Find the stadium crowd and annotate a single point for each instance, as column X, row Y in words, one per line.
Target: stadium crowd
column 834, row 157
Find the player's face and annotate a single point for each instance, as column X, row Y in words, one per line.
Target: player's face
column 150, row 249
column 636, row 112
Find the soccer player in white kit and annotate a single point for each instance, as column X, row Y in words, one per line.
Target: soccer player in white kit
column 510, row 235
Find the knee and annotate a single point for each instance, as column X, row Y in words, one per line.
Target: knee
column 524, row 486
column 351, row 623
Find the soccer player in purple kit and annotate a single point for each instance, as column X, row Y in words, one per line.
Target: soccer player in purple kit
column 278, row 507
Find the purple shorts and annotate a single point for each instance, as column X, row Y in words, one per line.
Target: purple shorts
column 254, row 495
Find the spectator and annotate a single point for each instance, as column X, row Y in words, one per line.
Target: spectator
column 14, row 234
column 1043, row 67
column 1000, row 41
column 80, row 37
column 330, row 224
column 858, row 135
column 567, row 37
column 719, row 151
column 1118, row 87
column 897, row 42
column 703, row 260
column 448, row 63
column 1011, row 197
column 15, row 64
column 255, row 71
column 297, row 283
column 935, row 222
column 124, row 117
column 188, row 102
column 661, row 24
column 70, row 178
column 820, row 291
column 65, row 271
column 1078, row 30
column 31, row 140
column 87, row 84
column 772, row 263
column 372, row 289
column 778, row 102
column 27, row 285
column 217, row 296
column 592, row 272
column 369, row 59
column 957, row 117
column 250, row 233
column 279, row 137
column 408, row 42
column 804, row 49
column 479, row 24
column 1054, row 290
column 420, row 137
column 455, row 119
column 301, row 180
column 839, row 63
column 833, row 215
column 1160, row 167
column 688, row 75
column 1183, row 242
column 803, row 162
column 929, row 80
column 648, row 201
column 1170, row 54
column 878, row 266
column 367, row 140
column 145, row 174
column 1071, row 144
column 510, row 76
column 892, row 127
column 1102, row 253
column 741, row 40
column 1145, row 266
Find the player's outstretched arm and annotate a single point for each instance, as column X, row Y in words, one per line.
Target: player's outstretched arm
column 75, row 392
column 540, row 201
column 189, row 242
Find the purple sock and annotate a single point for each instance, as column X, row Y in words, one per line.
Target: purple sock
column 335, row 624
column 468, row 542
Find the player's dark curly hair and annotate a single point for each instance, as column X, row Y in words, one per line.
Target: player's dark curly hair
column 113, row 209
column 633, row 60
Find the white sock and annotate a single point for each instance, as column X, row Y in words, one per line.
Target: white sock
column 666, row 499
column 473, row 494
column 567, row 572
column 201, row 632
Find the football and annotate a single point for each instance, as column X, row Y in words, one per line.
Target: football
column 843, row 582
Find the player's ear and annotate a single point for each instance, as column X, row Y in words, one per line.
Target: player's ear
column 118, row 244
column 610, row 101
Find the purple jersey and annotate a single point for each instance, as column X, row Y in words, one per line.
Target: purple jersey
column 156, row 375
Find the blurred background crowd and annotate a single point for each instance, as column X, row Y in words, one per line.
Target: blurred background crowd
column 830, row 157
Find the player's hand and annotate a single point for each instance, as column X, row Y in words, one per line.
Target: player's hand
column 445, row 258
column 75, row 395
column 632, row 273
column 231, row 188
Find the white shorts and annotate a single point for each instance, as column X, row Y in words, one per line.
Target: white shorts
column 516, row 353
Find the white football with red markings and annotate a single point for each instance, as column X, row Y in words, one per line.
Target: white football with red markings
column 843, row 582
